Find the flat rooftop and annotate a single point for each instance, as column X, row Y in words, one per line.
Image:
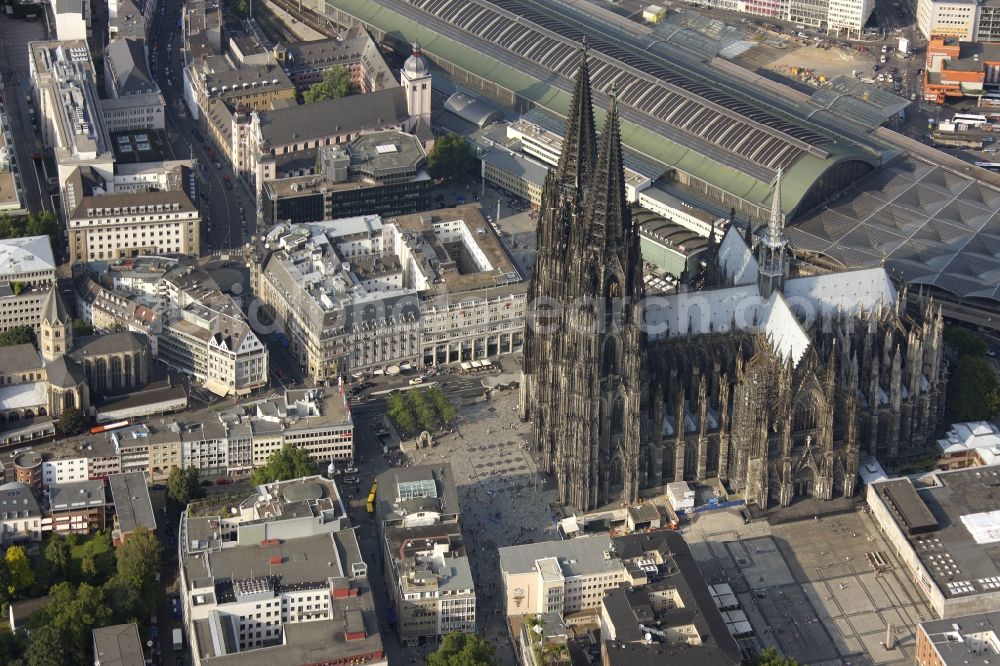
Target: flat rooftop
column 118, row 645
column 971, row 639
column 138, row 146
column 9, row 198
column 30, row 254
column 582, row 556
column 132, row 504
column 503, row 271
column 957, row 563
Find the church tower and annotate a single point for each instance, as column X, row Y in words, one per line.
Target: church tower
column 56, row 328
column 561, row 210
column 772, row 250
column 415, row 78
column 586, row 382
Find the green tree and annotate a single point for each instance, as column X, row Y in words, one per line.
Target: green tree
column 337, row 82
column 462, row 650
column 10, row 649
column 183, row 486
column 771, row 657
column 45, row 224
column 241, row 8
column 18, row 335
column 447, row 412
column 961, row 341
column 425, row 411
column 46, row 648
column 289, row 462
column 71, row 422
column 20, row 574
column 59, row 556
column 82, row 328
column 451, row 157
column 74, row 612
column 401, row 412
column 88, row 567
column 973, row 391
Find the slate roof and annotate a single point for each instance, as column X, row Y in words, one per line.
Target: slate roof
column 377, row 110
column 20, row 358
column 64, row 373
column 127, row 59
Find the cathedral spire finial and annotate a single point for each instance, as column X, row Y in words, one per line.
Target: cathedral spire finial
column 776, row 223
column 579, row 146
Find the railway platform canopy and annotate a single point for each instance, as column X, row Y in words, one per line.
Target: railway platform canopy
column 718, row 133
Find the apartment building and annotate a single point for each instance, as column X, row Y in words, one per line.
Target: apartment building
column 848, row 16
column 71, row 122
column 231, row 443
column 357, row 294
column 383, row 173
column 279, row 577
column 20, row 516
column 214, row 89
column 424, row 561
column 125, row 225
column 12, row 196
column 78, row 507
column 118, row 645
column 958, row 641
column 27, row 274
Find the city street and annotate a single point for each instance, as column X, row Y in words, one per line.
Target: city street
column 220, row 207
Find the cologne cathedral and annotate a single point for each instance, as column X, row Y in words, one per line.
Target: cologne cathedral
column 774, row 382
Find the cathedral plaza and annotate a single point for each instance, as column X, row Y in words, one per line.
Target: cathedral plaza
column 810, row 588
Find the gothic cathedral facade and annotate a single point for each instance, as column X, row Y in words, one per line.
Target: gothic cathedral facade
column 773, row 383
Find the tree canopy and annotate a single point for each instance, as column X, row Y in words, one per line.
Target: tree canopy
column 771, row 657
column 973, row 391
column 20, row 575
column 337, row 82
column 451, row 157
column 426, row 409
column 963, row 342
column 183, row 486
column 72, row 422
column 45, row 224
column 459, row 649
column 18, row 335
column 289, row 462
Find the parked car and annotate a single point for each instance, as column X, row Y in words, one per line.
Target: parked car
column 351, row 470
column 352, row 480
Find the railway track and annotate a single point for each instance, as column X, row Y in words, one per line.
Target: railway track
column 307, row 16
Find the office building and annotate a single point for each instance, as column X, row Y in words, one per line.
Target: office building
column 362, row 293
column 560, row 577
column 278, row 578
column 665, row 611
column 12, row 197
column 943, row 533
column 111, row 226
column 72, row 19
column 72, row 123
column 959, row 641
column 134, row 101
column 27, row 275
column 306, row 63
column 424, row 562
column 211, row 340
column 948, row 18
column 383, row 173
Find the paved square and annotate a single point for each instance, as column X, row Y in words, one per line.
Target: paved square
column 808, row 587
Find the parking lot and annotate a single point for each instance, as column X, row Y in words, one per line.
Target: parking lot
column 810, row 588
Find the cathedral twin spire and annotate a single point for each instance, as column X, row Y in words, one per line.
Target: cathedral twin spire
column 580, row 143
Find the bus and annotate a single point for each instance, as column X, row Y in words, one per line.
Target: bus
column 988, row 165
column 370, row 505
column 970, row 119
column 110, row 426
